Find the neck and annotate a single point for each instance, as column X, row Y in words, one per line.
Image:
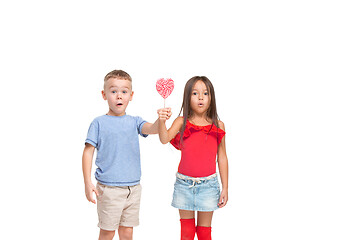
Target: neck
column 111, row 113
column 200, row 119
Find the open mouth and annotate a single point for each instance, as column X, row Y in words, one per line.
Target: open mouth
column 119, row 104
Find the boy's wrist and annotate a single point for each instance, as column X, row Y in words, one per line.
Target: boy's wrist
column 88, row 182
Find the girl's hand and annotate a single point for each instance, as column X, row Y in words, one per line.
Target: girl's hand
column 164, row 113
column 223, row 198
column 89, row 189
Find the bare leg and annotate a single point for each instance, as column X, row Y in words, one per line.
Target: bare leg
column 204, row 219
column 185, row 214
column 125, row 233
column 106, row 235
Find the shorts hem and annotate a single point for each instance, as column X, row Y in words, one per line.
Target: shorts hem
column 129, row 224
column 107, row 228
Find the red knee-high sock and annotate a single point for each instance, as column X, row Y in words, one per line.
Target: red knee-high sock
column 188, row 229
column 203, row 233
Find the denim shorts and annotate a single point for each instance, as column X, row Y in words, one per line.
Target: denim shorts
column 196, row 194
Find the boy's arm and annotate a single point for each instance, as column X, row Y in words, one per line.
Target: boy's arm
column 150, row 128
column 166, row 135
column 86, row 167
column 153, row 128
column 223, row 169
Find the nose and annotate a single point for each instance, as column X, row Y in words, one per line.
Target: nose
column 119, row 95
column 201, row 96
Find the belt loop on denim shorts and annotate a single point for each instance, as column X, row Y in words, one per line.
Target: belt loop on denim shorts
column 195, row 180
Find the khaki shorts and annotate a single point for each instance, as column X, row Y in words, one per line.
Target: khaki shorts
column 118, row 206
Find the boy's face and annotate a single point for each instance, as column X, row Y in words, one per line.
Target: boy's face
column 118, row 92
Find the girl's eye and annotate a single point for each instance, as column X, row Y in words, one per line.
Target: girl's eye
column 206, row 93
column 194, row 93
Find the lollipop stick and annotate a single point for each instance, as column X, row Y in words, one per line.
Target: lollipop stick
column 164, row 102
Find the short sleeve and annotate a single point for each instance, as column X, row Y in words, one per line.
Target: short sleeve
column 140, row 123
column 176, row 141
column 93, row 134
column 220, row 136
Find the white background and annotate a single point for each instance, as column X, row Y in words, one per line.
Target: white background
column 286, row 76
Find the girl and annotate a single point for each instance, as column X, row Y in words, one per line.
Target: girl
column 199, row 135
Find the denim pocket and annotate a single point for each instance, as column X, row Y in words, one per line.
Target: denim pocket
column 214, row 183
column 181, row 182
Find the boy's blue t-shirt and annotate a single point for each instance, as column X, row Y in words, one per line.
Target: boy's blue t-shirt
column 118, row 154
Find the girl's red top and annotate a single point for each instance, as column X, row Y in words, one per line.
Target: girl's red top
column 198, row 149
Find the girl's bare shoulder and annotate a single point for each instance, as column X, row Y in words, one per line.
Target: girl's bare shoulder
column 221, row 125
column 178, row 121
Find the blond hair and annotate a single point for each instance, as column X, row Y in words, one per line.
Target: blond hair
column 120, row 74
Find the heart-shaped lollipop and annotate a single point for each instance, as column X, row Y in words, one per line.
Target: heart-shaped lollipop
column 165, row 86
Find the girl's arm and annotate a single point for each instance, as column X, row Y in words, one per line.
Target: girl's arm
column 166, row 135
column 86, row 167
column 223, row 169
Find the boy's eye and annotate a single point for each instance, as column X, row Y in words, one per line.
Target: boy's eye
column 124, row 91
column 113, row 91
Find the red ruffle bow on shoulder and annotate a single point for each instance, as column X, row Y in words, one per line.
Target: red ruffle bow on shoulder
column 190, row 128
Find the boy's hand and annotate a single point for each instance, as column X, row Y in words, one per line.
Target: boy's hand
column 164, row 113
column 89, row 189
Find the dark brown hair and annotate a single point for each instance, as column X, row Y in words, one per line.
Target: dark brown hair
column 186, row 109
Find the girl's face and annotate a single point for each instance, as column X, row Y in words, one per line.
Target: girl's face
column 118, row 93
column 200, row 98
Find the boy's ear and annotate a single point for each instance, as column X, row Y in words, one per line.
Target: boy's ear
column 131, row 95
column 103, row 94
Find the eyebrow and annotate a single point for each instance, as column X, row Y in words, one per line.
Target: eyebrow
column 118, row 87
column 199, row 90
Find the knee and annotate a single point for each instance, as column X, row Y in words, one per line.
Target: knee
column 106, row 235
column 125, row 233
column 203, row 233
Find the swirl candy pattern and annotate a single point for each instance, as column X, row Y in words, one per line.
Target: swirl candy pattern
column 165, row 86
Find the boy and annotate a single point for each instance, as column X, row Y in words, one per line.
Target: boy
column 115, row 136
